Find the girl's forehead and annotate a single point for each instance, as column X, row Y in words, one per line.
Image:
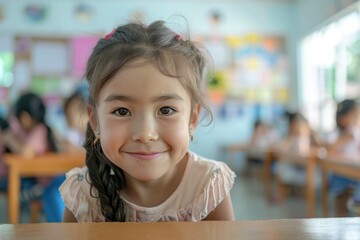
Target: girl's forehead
column 142, row 79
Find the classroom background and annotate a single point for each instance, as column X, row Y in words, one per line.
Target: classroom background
column 269, row 57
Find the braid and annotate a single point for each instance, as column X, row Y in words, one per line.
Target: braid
column 108, row 186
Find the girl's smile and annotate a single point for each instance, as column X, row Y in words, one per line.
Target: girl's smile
column 145, row 155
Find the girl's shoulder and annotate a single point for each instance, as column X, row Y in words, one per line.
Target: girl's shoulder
column 79, row 197
column 203, row 168
column 214, row 180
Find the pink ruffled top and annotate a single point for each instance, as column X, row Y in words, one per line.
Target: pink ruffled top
column 204, row 185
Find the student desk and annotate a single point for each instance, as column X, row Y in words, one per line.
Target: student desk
column 344, row 166
column 329, row 228
column 309, row 161
column 50, row 164
column 267, row 154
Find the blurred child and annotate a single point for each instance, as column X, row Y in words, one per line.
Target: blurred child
column 300, row 139
column 30, row 135
column 345, row 141
column 262, row 138
column 76, row 118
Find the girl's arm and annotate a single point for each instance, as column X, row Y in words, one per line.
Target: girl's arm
column 10, row 141
column 224, row 211
column 68, row 216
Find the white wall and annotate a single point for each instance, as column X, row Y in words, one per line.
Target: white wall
column 239, row 16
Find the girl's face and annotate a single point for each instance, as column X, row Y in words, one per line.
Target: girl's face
column 76, row 116
column 300, row 128
column 26, row 122
column 350, row 119
column 144, row 118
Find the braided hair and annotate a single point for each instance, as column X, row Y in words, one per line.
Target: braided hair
column 172, row 55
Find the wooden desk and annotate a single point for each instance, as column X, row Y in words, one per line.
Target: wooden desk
column 329, row 228
column 309, row 161
column 347, row 167
column 50, row 164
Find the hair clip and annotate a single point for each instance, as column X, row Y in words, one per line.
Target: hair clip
column 107, row 36
column 178, row 36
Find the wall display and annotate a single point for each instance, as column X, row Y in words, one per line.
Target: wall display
column 35, row 13
column 84, row 12
column 44, row 53
column 81, row 48
column 251, row 68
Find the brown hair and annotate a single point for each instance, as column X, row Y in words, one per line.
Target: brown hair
column 172, row 55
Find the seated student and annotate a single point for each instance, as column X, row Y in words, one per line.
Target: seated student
column 262, row 138
column 345, row 141
column 30, row 135
column 76, row 119
column 300, row 139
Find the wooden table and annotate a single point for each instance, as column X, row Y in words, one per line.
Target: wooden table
column 270, row 155
column 308, row 161
column 50, row 164
column 338, row 165
column 328, row 228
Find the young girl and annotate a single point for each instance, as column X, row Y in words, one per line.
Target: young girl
column 30, row 135
column 146, row 88
column 345, row 142
column 300, row 139
column 76, row 119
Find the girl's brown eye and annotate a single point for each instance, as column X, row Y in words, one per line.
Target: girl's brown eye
column 122, row 112
column 166, row 110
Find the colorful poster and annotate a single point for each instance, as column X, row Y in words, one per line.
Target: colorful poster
column 81, row 48
column 35, row 13
column 250, row 67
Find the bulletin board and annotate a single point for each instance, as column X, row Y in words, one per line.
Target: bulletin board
column 50, row 57
column 251, row 68
column 40, row 63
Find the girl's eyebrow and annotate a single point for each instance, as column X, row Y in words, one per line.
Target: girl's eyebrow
column 115, row 97
column 167, row 97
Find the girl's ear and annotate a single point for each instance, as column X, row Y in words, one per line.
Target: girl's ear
column 92, row 118
column 194, row 118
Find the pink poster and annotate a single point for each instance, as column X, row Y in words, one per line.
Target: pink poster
column 81, row 50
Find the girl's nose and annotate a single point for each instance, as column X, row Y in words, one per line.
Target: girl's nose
column 145, row 130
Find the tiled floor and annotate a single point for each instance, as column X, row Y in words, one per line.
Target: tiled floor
column 248, row 200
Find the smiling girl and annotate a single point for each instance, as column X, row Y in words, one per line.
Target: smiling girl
column 147, row 88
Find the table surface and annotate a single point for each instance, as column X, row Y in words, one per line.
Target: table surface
column 317, row 228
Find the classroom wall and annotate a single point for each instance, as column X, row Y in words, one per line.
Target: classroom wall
column 239, row 17
column 291, row 19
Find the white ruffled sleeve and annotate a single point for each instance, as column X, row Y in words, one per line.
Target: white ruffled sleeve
column 215, row 191
column 75, row 192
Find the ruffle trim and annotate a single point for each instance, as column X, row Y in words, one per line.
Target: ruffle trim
column 77, row 199
column 215, row 191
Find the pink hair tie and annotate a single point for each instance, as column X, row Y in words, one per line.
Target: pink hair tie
column 107, row 36
column 178, row 36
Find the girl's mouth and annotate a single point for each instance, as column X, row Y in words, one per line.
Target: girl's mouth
column 145, row 156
